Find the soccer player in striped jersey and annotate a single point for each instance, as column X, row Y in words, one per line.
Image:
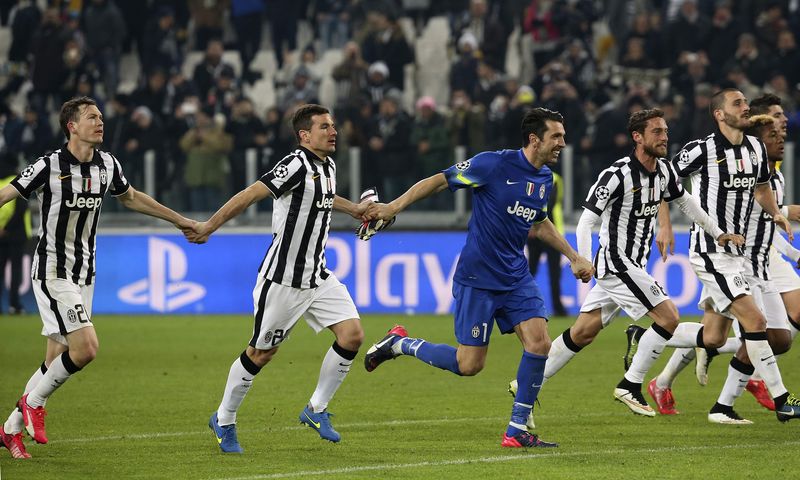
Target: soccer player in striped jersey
column 729, row 170
column 767, row 273
column 293, row 279
column 70, row 184
column 625, row 200
column 492, row 282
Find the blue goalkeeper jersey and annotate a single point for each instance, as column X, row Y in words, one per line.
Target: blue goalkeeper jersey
column 509, row 196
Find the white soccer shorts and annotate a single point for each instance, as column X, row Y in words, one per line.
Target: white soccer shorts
column 634, row 291
column 782, row 273
column 278, row 307
column 723, row 279
column 64, row 307
column 769, row 301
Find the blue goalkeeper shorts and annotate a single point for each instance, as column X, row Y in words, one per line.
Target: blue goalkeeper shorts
column 476, row 310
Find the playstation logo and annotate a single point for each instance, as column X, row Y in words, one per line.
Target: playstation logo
column 164, row 289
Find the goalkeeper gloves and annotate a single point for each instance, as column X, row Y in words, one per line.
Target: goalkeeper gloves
column 369, row 228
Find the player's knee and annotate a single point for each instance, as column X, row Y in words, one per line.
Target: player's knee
column 352, row 339
column 261, row 357
column 470, row 368
column 583, row 335
column 668, row 323
column 779, row 340
column 539, row 346
column 84, row 355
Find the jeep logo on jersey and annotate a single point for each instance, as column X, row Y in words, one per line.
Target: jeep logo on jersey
column 165, row 288
column 84, row 202
column 740, row 183
column 528, row 214
column 647, row 209
column 326, row 202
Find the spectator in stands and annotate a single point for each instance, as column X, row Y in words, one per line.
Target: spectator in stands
column 153, row 94
column 207, row 17
column 248, row 132
column 272, row 129
column 497, row 133
column 178, row 88
column 606, row 137
column 118, row 126
column 377, row 83
column 560, row 96
column 466, row 124
column 581, row 66
column 736, row 76
column 160, row 46
column 75, row 67
column 302, row 90
column 146, row 133
column 634, row 55
column 779, row 86
column 332, row 18
column 490, row 36
column 47, row 68
column 488, row 85
column 36, row 136
column 677, row 124
column 351, row 80
column 389, row 160
column 691, row 70
column 15, row 230
column 429, row 134
column 464, row 71
column 689, row 32
column 207, row 147
column 248, row 20
column 725, row 31
column 544, row 20
column 283, row 16
column 787, row 57
column 291, row 64
column 652, row 39
column 206, row 72
column 105, row 32
column 386, row 43
column 769, row 23
column 223, row 94
column 701, row 122
column 25, row 18
column 750, row 60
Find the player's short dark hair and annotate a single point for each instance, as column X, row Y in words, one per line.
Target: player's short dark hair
column 638, row 120
column 535, row 122
column 718, row 99
column 71, row 110
column 760, row 105
column 301, row 120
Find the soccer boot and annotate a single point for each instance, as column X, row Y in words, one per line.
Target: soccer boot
column 634, row 400
column 33, row 419
column 759, row 390
column 703, row 360
column 726, row 416
column 529, row 423
column 525, row 440
column 634, row 333
column 321, row 422
column 663, row 398
column 225, row 435
column 789, row 410
column 14, row 444
column 382, row 351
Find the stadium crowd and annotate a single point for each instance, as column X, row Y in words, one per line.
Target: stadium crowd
column 595, row 62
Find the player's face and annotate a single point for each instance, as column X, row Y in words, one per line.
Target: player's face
column 89, row 126
column 774, row 141
column 736, row 111
column 552, row 143
column 776, row 112
column 655, row 138
column 322, row 136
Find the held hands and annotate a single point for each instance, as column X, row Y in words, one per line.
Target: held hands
column 582, row 269
column 732, row 239
column 375, row 216
column 199, row 233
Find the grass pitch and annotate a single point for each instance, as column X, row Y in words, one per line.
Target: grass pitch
column 141, row 411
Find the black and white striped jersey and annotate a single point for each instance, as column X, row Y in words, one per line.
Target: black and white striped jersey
column 723, row 177
column 626, row 197
column 761, row 231
column 70, row 194
column 304, row 187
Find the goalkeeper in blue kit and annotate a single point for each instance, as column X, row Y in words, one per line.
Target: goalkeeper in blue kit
column 492, row 281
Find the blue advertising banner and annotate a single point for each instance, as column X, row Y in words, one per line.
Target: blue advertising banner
column 399, row 272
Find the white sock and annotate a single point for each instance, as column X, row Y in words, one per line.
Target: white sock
column 651, row 345
column 731, row 345
column 240, row 379
column 685, row 335
column 738, row 375
column 335, row 367
column 559, row 355
column 14, row 424
column 677, row 362
column 59, row 372
column 764, row 361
